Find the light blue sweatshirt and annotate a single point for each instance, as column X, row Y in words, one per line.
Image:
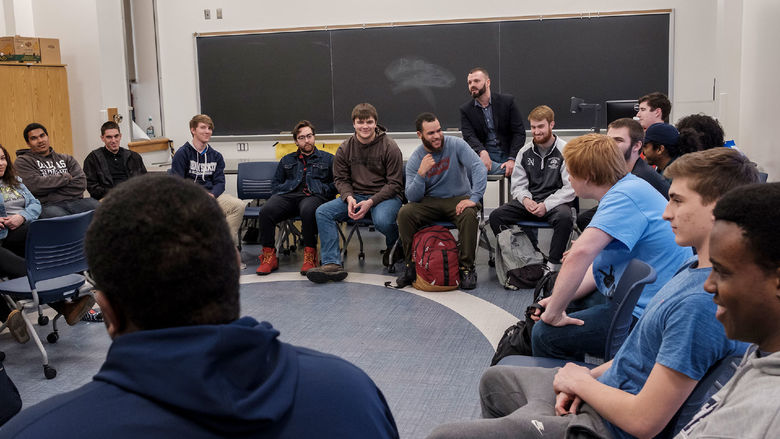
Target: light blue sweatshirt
column 458, row 171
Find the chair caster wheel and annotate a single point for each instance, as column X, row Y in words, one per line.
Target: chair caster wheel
column 53, row 337
column 492, row 262
column 391, row 268
column 292, row 248
column 43, row 320
column 49, row 372
column 362, row 256
column 286, row 252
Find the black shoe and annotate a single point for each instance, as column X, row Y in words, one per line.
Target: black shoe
column 326, row 273
column 468, row 279
column 93, row 315
column 407, row 276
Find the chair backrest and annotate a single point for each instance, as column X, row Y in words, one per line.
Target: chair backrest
column 629, row 288
column 712, row 381
column 255, row 180
column 55, row 246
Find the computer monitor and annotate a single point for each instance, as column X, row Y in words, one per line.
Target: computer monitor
column 619, row 109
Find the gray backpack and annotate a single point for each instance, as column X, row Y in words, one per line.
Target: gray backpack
column 513, row 249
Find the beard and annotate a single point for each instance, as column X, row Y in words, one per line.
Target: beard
column 429, row 146
column 627, row 154
column 544, row 139
column 477, row 93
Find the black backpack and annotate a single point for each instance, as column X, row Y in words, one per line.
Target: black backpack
column 527, row 276
column 544, row 286
column 517, row 338
column 10, row 401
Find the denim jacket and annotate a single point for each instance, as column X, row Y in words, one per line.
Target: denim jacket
column 32, row 207
column 319, row 175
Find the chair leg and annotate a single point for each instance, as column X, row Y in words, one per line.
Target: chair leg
column 343, row 240
column 48, row 371
column 355, row 228
column 391, row 267
column 279, row 244
column 362, row 254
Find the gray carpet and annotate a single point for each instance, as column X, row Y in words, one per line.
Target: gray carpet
column 426, row 358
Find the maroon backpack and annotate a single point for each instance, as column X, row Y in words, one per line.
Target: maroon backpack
column 435, row 255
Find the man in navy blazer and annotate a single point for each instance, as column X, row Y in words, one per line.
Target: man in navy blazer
column 491, row 124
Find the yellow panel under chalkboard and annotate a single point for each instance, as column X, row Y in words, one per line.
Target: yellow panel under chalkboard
column 282, row 149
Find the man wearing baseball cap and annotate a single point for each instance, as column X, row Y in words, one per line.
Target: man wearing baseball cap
column 661, row 145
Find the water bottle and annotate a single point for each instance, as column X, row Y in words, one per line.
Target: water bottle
column 150, row 129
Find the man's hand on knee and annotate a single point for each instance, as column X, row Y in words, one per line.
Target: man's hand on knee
column 561, row 319
column 463, row 205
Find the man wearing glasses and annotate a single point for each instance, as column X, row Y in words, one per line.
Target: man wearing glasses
column 653, row 108
column 303, row 181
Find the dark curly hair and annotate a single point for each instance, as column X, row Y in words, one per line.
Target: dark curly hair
column 754, row 209
column 707, row 130
column 160, row 251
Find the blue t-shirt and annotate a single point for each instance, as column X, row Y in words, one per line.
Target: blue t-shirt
column 678, row 330
column 630, row 212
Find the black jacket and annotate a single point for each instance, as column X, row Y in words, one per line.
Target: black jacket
column 99, row 179
column 508, row 121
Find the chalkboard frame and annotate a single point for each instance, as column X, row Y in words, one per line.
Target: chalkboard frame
column 327, row 112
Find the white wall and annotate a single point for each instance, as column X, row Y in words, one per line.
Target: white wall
column 760, row 88
column 91, row 43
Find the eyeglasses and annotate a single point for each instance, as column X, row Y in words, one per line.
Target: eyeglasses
column 301, row 138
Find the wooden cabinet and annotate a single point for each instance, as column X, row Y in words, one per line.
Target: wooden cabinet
column 34, row 93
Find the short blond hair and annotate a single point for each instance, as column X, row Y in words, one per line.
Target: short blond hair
column 542, row 112
column 596, row 158
column 201, row 118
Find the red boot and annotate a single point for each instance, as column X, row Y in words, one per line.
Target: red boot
column 309, row 259
column 268, row 261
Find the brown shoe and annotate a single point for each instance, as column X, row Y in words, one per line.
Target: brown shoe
column 326, row 273
column 75, row 310
column 17, row 327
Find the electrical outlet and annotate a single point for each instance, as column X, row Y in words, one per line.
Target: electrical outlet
column 219, row 13
column 207, row 14
column 242, row 146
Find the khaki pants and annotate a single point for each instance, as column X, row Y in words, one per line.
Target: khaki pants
column 234, row 213
column 414, row 216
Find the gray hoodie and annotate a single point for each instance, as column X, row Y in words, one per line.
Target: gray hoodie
column 747, row 407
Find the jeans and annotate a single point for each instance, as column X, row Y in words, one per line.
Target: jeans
column 572, row 342
column 498, row 157
column 329, row 214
